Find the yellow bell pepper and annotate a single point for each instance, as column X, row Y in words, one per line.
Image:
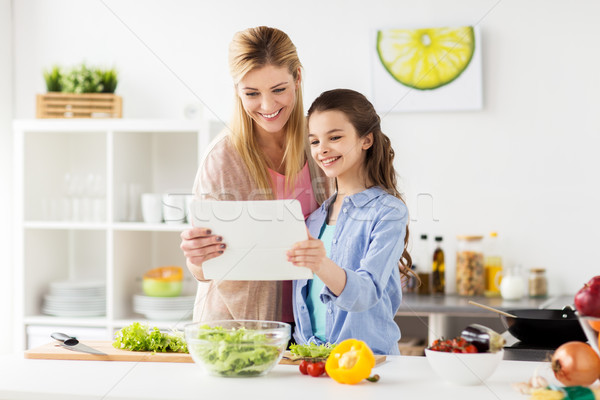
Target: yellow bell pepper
column 350, row 362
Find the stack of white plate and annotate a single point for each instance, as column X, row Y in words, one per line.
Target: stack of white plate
column 164, row 308
column 75, row 299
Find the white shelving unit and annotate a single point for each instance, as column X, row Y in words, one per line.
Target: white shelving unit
column 77, row 214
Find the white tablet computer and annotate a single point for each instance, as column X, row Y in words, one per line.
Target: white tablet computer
column 257, row 235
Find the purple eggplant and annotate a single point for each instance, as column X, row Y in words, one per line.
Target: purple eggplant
column 485, row 339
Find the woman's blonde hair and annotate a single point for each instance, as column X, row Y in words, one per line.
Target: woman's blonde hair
column 256, row 48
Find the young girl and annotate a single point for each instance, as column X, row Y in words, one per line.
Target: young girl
column 362, row 229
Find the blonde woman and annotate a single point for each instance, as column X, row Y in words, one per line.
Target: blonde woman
column 263, row 155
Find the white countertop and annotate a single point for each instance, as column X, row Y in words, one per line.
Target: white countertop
column 401, row 377
column 453, row 304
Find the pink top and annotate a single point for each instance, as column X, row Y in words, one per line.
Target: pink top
column 303, row 192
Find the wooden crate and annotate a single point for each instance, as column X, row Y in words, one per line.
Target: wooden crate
column 79, row 105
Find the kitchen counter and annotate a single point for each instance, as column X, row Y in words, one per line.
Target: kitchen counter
column 417, row 304
column 401, row 376
column 439, row 309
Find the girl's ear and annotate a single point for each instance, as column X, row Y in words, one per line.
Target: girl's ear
column 367, row 141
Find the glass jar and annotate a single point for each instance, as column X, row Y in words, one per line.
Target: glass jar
column 538, row 284
column 470, row 278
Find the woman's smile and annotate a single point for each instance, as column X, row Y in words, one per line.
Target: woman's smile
column 271, row 117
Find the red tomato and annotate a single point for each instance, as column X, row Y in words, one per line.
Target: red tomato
column 304, row 367
column 316, row 369
column 470, row 349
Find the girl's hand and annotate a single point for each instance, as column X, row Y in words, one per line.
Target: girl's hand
column 309, row 253
column 199, row 245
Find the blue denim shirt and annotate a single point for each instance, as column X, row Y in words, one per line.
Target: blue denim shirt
column 367, row 243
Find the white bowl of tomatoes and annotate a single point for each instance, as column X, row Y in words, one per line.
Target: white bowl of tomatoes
column 459, row 362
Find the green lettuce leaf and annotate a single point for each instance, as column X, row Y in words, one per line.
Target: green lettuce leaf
column 139, row 337
column 312, row 350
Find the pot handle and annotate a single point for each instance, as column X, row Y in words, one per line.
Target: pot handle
column 569, row 310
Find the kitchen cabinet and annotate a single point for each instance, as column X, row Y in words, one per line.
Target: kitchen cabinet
column 77, row 213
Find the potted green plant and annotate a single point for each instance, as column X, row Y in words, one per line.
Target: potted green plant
column 81, row 79
column 79, row 92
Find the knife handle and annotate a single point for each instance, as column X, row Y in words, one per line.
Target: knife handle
column 66, row 339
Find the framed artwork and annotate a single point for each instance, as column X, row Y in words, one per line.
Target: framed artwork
column 427, row 69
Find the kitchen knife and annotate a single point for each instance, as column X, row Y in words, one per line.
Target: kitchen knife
column 71, row 343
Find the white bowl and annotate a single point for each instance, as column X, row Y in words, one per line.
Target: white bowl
column 464, row 368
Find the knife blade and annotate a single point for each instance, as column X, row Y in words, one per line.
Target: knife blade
column 71, row 343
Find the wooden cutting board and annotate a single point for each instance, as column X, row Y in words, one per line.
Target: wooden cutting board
column 54, row 351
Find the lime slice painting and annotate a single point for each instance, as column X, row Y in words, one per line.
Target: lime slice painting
column 430, row 60
column 426, row 58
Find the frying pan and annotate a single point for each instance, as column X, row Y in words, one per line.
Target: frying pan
column 544, row 327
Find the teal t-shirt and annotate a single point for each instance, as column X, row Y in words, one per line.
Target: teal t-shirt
column 316, row 308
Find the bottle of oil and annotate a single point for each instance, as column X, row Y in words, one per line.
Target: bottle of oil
column 493, row 266
column 438, row 275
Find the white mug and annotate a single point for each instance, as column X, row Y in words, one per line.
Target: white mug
column 152, row 208
column 174, row 208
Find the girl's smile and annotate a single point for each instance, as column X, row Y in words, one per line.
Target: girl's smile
column 328, row 161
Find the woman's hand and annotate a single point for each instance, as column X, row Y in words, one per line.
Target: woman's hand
column 199, row 245
column 309, row 253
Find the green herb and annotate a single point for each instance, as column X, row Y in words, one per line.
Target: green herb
column 139, row 337
column 236, row 352
column 53, row 79
column 81, row 79
column 109, row 80
column 312, row 350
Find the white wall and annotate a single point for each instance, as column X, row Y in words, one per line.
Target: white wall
column 525, row 165
column 6, row 102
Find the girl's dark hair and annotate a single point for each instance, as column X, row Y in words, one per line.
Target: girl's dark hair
column 379, row 160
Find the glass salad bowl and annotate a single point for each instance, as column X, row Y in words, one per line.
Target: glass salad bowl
column 235, row 348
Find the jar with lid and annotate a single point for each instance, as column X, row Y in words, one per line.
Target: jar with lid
column 538, row 283
column 470, row 278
